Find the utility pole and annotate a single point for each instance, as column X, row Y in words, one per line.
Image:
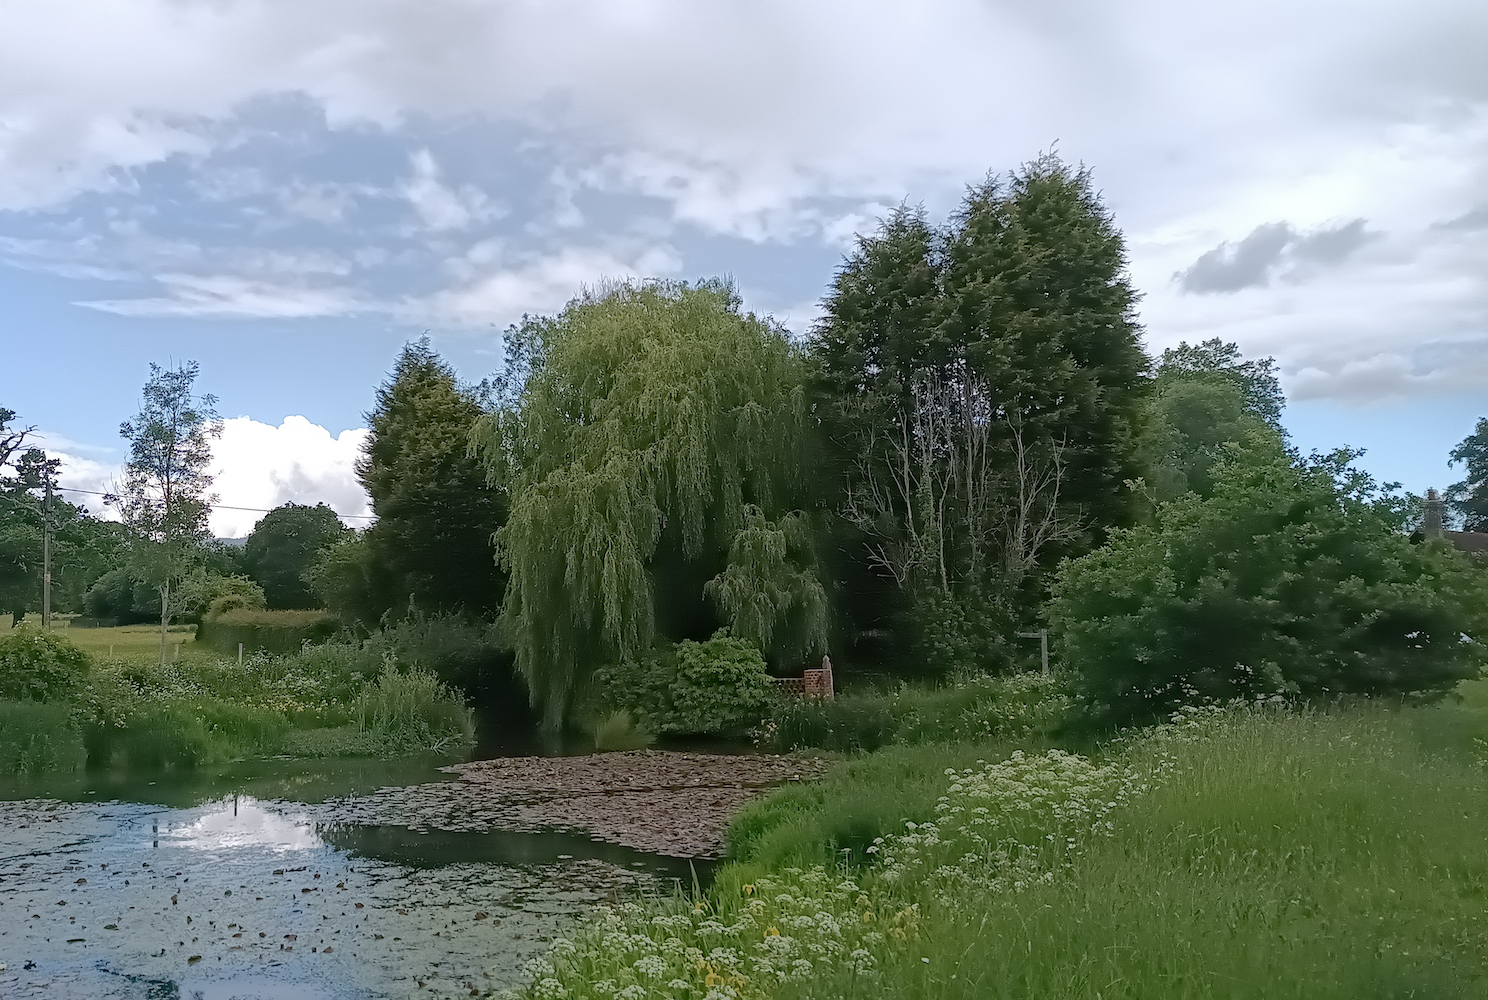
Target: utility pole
column 46, row 556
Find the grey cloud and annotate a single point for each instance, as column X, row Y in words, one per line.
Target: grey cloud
column 1268, row 250
column 1476, row 218
column 1247, row 264
column 1332, row 246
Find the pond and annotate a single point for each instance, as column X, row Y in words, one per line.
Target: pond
column 241, row 882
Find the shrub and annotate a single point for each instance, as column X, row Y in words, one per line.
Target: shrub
column 269, row 631
column 36, row 738
column 40, row 666
column 1291, row 577
column 618, row 731
column 693, row 688
column 460, row 652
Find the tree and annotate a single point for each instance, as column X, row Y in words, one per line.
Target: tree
column 1189, row 426
column 653, row 418
column 1216, row 362
column 1469, row 498
column 980, row 385
column 1293, row 577
column 164, row 500
column 431, row 546
column 282, row 547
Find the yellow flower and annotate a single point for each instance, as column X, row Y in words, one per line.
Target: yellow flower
column 772, row 932
column 748, row 890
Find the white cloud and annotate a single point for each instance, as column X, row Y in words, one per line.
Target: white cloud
column 440, row 206
column 259, row 465
column 499, row 287
column 776, row 122
column 254, row 465
column 237, row 297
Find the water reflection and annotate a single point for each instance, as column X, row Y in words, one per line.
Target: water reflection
column 243, row 822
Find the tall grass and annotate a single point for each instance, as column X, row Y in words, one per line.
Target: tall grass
column 967, row 709
column 38, row 737
column 405, row 712
column 1249, row 854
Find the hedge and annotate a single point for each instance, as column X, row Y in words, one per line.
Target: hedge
column 266, row 630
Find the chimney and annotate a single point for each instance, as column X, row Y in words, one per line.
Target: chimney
column 1431, row 515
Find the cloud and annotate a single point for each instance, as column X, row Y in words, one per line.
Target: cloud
column 501, row 287
column 259, row 465
column 231, row 296
column 440, row 206
column 1253, row 261
column 1469, row 221
column 254, row 465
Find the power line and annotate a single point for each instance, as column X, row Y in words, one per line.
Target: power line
column 220, row 506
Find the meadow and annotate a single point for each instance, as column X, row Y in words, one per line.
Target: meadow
column 1253, row 851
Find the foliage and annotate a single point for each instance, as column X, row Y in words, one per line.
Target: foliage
column 346, row 579
column 1215, row 362
column 118, row 597
column 651, row 417
column 431, row 545
column 165, row 500
column 1469, row 498
column 283, row 545
column 36, row 738
column 770, row 592
column 260, row 629
column 1029, row 707
column 1241, row 854
column 1292, row 577
column 40, row 666
column 979, row 386
column 414, row 711
column 1190, row 426
column 466, row 654
column 618, row 731
column 221, row 594
column 717, row 686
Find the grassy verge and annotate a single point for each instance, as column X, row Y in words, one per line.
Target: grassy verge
column 1246, row 854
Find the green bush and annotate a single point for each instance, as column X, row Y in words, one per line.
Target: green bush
column 40, row 666
column 691, row 688
column 460, row 652
column 269, row 631
column 36, row 738
column 183, row 732
column 1290, row 578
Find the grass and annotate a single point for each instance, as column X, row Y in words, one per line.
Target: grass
column 201, row 707
column 36, row 737
column 1259, row 853
column 1027, row 706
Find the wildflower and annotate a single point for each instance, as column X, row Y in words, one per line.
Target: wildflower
column 650, row 966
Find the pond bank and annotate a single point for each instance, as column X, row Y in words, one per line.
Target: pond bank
column 662, row 802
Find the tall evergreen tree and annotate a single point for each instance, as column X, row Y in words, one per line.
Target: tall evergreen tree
column 430, row 548
column 981, row 385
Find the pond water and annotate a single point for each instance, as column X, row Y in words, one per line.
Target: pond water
column 218, row 884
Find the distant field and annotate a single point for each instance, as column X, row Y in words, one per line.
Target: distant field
column 130, row 642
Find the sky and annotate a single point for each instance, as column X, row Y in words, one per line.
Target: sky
column 287, row 192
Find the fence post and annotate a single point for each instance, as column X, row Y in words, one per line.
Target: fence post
column 1042, row 635
column 240, row 654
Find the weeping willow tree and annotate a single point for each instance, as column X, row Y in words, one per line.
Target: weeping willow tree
column 645, row 428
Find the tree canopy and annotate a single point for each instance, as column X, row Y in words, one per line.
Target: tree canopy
column 1469, row 498
column 282, row 546
column 1292, row 577
column 979, row 386
column 653, row 420
column 430, row 548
